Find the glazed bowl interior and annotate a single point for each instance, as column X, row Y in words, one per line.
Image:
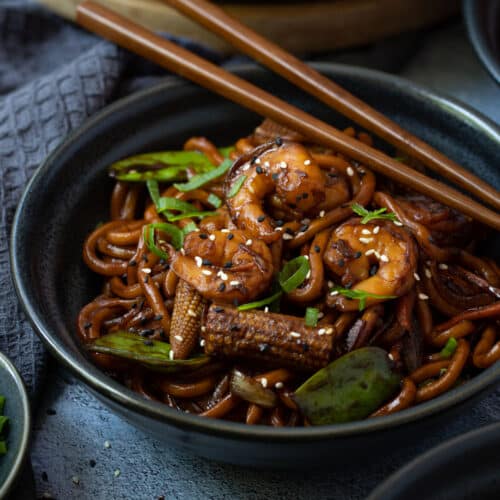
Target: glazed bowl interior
column 70, row 193
column 19, row 425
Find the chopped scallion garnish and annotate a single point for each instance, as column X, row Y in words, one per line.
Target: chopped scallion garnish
column 311, row 318
column 176, row 236
column 368, row 215
column 450, row 348
column 293, row 274
column 360, row 295
column 236, row 186
column 214, row 200
column 189, row 215
column 189, row 228
column 260, row 303
column 201, row 179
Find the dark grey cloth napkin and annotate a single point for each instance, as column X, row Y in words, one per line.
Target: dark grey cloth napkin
column 52, row 77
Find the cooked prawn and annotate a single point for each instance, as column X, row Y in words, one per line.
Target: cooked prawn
column 379, row 258
column 224, row 266
column 283, row 178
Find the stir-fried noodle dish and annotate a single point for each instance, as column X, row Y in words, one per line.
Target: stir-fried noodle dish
column 277, row 282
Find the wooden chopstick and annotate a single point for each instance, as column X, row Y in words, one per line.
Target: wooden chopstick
column 299, row 73
column 129, row 35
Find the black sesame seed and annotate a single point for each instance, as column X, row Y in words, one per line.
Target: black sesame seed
column 206, row 262
column 228, row 264
column 341, row 263
column 218, row 309
column 146, row 333
column 92, row 463
column 305, row 346
column 144, row 320
column 87, row 325
column 254, row 159
column 332, row 175
column 279, row 141
column 221, row 287
column 261, row 218
column 304, row 228
column 161, row 332
column 124, row 276
column 236, row 302
column 264, row 347
column 274, row 177
column 298, row 197
column 357, row 255
column 259, row 169
column 145, row 258
column 279, row 223
column 373, row 269
column 230, row 236
column 148, row 342
column 146, row 279
column 203, row 236
column 289, row 231
column 292, row 205
column 348, row 285
column 132, row 263
column 50, row 411
column 317, row 249
column 234, row 328
column 134, row 305
column 158, row 317
column 162, row 261
column 305, row 196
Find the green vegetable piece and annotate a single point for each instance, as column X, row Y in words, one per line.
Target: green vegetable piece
column 201, row 179
column 3, row 447
column 360, row 295
column 294, row 272
column 450, row 348
column 3, row 422
column 236, row 186
column 189, row 228
column 350, row 388
column 311, row 317
column 214, row 200
column 260, row 303
column 190, row 215
column 368, row 215
column 153, row 354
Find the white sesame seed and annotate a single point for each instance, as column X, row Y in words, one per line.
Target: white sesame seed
column 322, row 213
column 263, row 382
column 307, row 162
column 107, row 444
column 390, row 356
column 366, row 240
column 212, row 237
column 183, row 252
column 321, row 315
column 443, row 266
column 397, row 223
column 251, row 189
column 266, row 309
column 267, row 164
column 203, row 328
column 171, row 355
column 224, row 230
column 376, row 229
column 366, row 231
column 295, row 334
column 191, row 313
column 416, row 276
column 222, row 275
column 146, row 270
column 350, row 171
column 422, row 296
column 248, row 243
column 384, row 258
column 283, row 164
column 235, row 283
column 278, row 229
column 308, row 275
column 329, row 331
column 179, row 338
column 376, row 254
column 279, row 385
column 300, row 233
column 428, row 273
column 206, row 272
column 306, row 257
column 492, row 290
column 202, row 342
column 321, row 331
column 330, row 284
column 370, row 252
column 335, row 292
column 257, row 161
column 117, row 472
column 198, row 260
column 287, row 236
column 75, row 479
column 306, row 221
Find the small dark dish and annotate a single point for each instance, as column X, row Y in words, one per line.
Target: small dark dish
column 482, row 18
column 463, row 468
column 69, row 194
column 18, row 411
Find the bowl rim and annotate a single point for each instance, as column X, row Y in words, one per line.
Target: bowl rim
column 22, row 451
column 478, row 39
column 109, row 388
column 437, row 456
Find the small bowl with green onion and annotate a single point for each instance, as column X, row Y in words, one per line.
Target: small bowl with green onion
column 15, row 425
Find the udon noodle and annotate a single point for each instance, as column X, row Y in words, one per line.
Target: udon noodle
column 246, row 270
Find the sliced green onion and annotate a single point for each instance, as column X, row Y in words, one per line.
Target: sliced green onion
column 225, row 152
column 176, row 235
column 450, row 348
column 260, row 303
column 360, row 295
column 214, row 200
column 165, row 203
column 189, row 215
column 154, row 191
column 311, row 318
column 293, row 274
column 236, row 186
column 189, row 228
column 200, row 179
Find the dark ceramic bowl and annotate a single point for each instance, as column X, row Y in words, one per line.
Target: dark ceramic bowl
column 464, row 468
column 482, row 18
column 18, row 437
column 69, row 194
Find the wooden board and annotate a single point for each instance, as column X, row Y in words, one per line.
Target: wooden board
column 299, row 27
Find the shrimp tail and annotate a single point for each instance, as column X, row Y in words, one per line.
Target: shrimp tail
column 186, row 320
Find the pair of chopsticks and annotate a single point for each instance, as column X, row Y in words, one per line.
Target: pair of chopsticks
column 135, row 38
